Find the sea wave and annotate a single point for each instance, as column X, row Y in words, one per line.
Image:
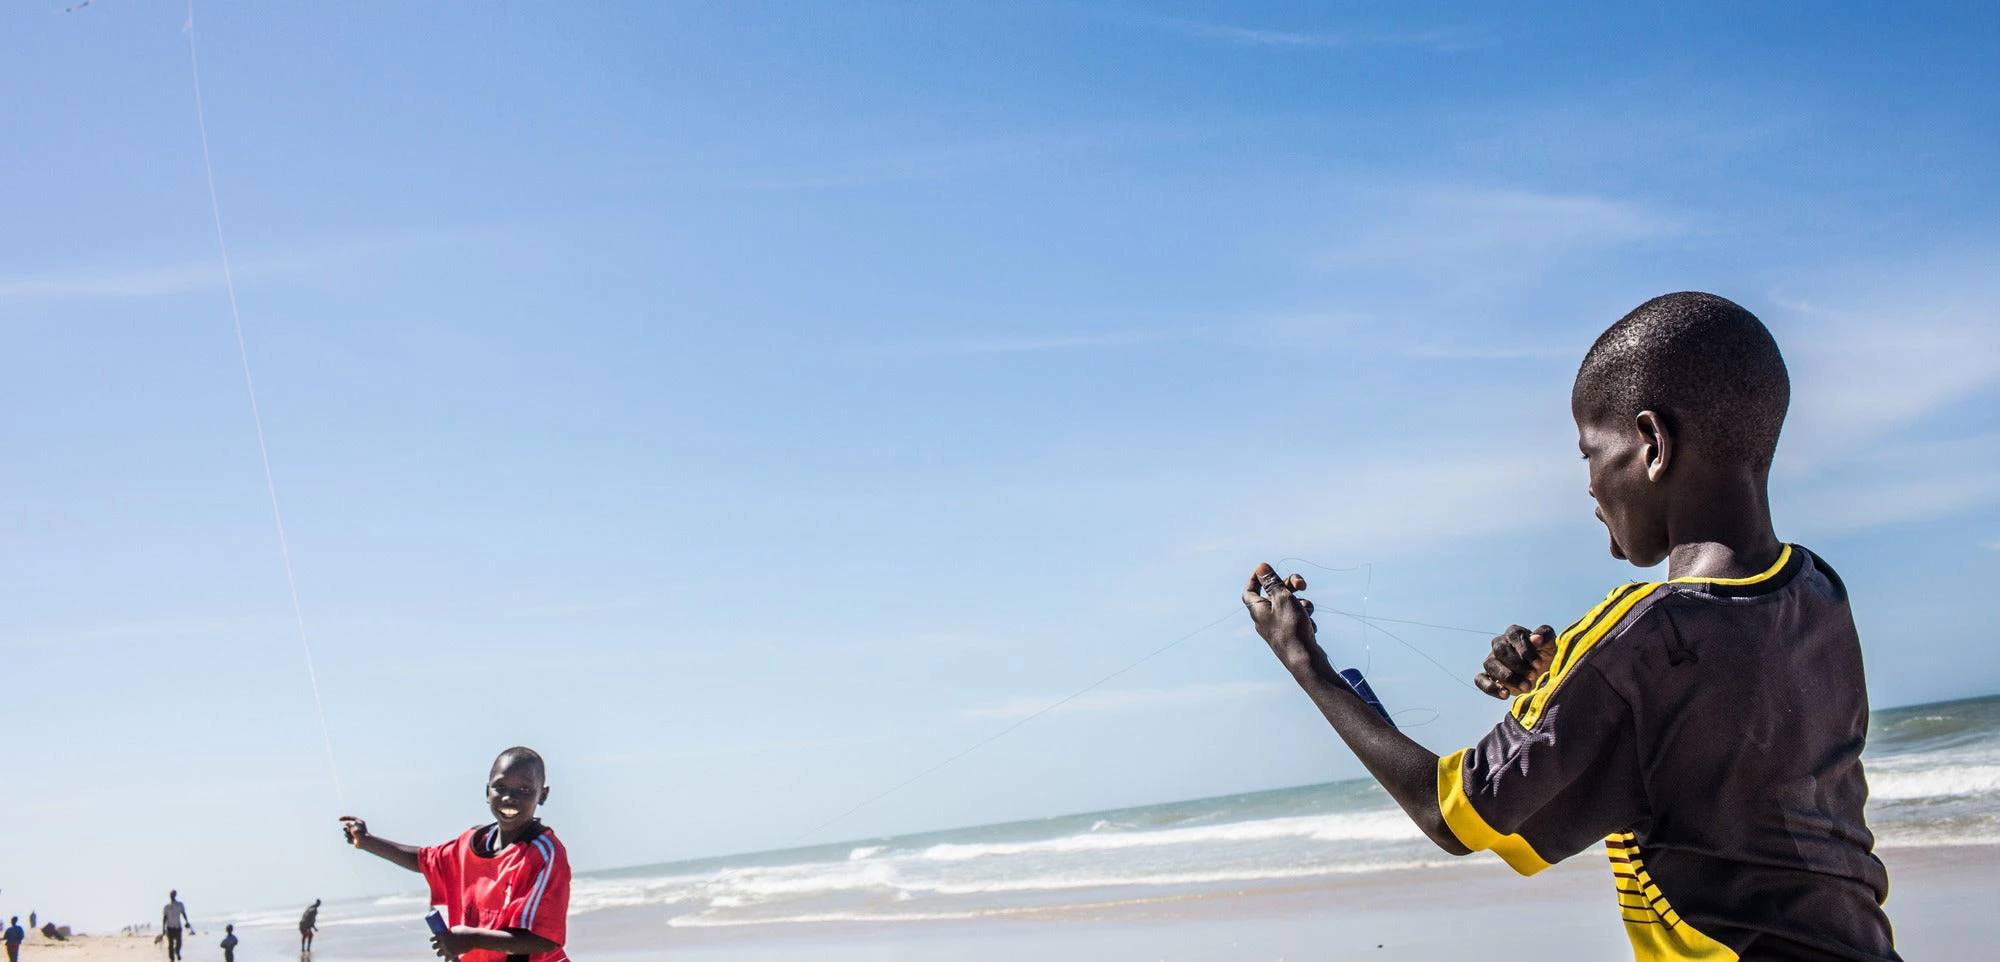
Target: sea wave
column 1378, row 826
column 724, row 909
column 1944, row 781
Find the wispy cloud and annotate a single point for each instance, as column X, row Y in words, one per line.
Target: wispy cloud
column 1990, row 545
column 1476, row 353
column 1440, row 39
column 812, row 165
column 583, row 608
column 161, row 280
column 1123, row 699
column 1482, row 230
column 1884, row 363
column 1854, row 505
column 1879, row 361
column 1027, row 345
column 722, row 748
column 131, row 282
column 147, row 632
column 917, row 162
column 1385, row 506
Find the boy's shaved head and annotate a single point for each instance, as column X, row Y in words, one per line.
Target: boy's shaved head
column 521, row 754
column 1702, row 362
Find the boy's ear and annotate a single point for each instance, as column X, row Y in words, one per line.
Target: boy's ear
column 545, row 796
column 1659, row 452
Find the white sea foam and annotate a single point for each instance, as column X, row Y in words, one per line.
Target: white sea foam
column 718, row 914
column 1957, row 838
column 1950, row 781
column 1373, row 826
column 1100, row 857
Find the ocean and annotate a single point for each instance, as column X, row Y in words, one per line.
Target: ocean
column 1933, row 772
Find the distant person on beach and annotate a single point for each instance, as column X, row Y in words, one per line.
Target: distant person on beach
column 172, row 918
column 229, row 943
column 308, row 924
column 504, row 885
column 1707, row 728
column 15, row 936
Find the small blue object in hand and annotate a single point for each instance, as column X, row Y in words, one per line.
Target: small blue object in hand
column 1360, row 685
column 436, row 922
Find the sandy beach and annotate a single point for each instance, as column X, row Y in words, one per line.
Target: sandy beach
column 94, row 948
column 1418, row 916
column 1425, row 915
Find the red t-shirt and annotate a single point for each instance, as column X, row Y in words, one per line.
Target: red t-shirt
column 524, row 886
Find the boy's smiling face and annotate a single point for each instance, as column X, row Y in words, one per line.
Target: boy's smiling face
column 1628, row 461
column 513, row 790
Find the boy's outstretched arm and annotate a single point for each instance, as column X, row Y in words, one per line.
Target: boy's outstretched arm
column 464, row 938
column 1406, row 769
column 358, row 836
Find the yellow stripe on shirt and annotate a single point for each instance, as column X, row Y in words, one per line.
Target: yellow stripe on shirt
column 1570, row 651
column 1576, row 640
column 1657, row 932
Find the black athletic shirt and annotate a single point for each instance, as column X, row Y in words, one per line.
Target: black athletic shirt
column 1709, row 732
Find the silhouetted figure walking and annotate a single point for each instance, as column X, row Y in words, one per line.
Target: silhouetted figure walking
column 172, row 919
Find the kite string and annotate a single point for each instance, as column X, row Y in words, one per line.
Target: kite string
column 1367, row 647
column 256, row 415
column 1364, row 620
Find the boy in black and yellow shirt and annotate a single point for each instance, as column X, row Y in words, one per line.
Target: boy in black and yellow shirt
column 1707, row 728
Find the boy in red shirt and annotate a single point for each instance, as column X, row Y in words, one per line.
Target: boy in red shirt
column 504, row 886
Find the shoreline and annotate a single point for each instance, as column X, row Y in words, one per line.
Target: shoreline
column 1414, row 914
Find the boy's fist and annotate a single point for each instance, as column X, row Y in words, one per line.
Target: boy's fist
column 1518, row 660
column 449, row 945
column 1282, row 618
column 355, row 829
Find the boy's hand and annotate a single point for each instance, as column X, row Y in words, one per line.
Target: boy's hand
column 1283, row 619
column 354, row 828
column 1518, row 660
column 450, row 945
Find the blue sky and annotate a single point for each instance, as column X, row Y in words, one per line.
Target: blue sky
column 750, row 404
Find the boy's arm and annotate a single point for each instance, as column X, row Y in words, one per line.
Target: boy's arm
column 464, row 938
column 359, row 837
column 1406, row 769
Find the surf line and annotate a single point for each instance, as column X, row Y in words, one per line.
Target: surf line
column 256, row 415
column 1362, row 619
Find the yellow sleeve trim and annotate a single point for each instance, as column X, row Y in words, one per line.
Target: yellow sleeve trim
column 1471, row 828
